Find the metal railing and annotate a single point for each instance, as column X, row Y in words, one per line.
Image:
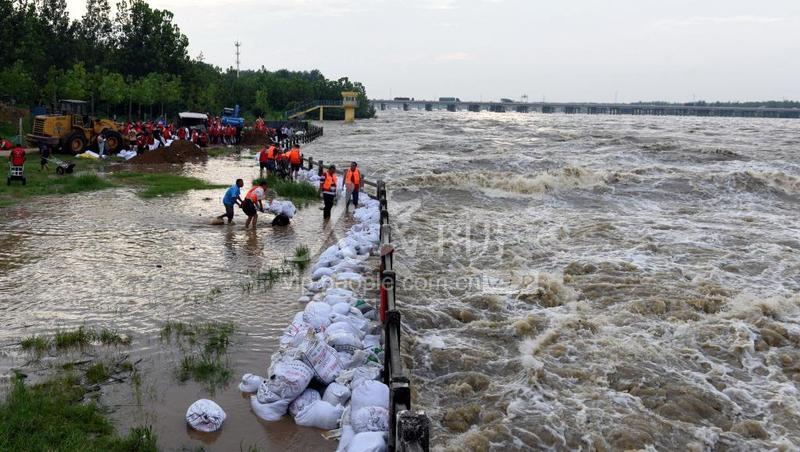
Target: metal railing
column 311, row 105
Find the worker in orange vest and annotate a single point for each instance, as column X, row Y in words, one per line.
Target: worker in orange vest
column 296, row 160
column 328, row 186
column 254, row 202
column 352, row 180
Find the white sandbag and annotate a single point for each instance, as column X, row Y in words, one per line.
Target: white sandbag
column 342, row 327
column 308, row 397
column 320, row 272
column 343, row 341
column 371, row 341
column 320, row 285
column 360, row 324
column 322, row 358
column 288, row 379
column 317, row 314
column 349, row 252
column 370, row 419
column 330, row 253
column 304, row 299
column 250, row 383
column 347, row 437
column 283, row 208
column 295, row 333
column 369, row 393
column 273, row 411
column 205, row 415
column 320, row 414
column 336, row 394
column 341, row 308
column 368, row 442
column 350, row 265
column 349, row 276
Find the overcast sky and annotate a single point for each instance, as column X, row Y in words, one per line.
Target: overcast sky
column 565, row 50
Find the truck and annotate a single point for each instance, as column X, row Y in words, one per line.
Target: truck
column 506, row 100
column 71, row 130
column 230, row 117
column 449, row 99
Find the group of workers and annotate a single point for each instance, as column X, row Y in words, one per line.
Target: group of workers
column 253, row 201
column 280, row 162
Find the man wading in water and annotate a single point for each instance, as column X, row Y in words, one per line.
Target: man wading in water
column 231, row 199
column 253, row 202
column 328, row 187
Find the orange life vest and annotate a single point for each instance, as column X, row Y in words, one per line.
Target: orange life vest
column 263, row 155
column 294, row 156
column 329, row 184
column 271, row 153
column 251, row 194
column 353, row 177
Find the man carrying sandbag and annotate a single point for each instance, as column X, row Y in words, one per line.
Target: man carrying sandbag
column 253, row 202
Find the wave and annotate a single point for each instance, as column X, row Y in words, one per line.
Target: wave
column 566, row 178
column 755, row 181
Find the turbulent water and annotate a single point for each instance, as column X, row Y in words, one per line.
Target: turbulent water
column 595, row 282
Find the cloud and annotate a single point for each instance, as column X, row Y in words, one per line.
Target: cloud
column 453, row 56
column 720, row 20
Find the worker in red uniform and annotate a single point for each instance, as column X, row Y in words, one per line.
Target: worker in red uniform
column 182, row 133
column 17, row 156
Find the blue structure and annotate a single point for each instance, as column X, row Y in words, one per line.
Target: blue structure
column 230, row 116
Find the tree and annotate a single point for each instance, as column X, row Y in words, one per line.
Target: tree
column 75, row 82
column 16, row 83
column 112, row 90
column 261, row 103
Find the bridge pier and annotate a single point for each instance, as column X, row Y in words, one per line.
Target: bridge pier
column 474, row 107
column 522, row 109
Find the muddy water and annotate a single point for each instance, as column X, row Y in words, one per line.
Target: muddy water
column 112, row 259
column 595, row 282
column 568, row 282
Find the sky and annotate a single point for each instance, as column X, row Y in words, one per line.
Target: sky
column 558, row 50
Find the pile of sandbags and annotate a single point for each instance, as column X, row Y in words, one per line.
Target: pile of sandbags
column 308, row 176
column 285, row 208
column 330, row 357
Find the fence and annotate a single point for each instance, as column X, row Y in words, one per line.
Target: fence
column 312, row 132
column 409, row 430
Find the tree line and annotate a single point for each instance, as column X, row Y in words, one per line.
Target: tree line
column 134, row 62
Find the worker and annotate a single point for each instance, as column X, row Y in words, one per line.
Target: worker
column 101, row 145
column 296, row 160
column 17, row 156
column 262, row 162
column 272, row 158
column 254, row 202
column 44, row 153
column 231, row 199
column 352, row 180
column 328, row 187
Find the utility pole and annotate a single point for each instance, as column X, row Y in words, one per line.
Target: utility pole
column 237, row 44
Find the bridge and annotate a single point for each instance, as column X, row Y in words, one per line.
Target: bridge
column 587, row 108
column 348, row 102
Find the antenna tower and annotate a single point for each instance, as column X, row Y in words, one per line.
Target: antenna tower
column 237, row 44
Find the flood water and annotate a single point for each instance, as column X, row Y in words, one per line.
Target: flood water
column 567, row 281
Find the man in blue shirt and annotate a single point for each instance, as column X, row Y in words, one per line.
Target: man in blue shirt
column 230, row 199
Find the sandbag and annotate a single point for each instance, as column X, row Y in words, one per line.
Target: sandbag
column 368, row 442
column 369, row 393
column 288, row 379
column 295, row 333
column 269, row 411
column 370, row 419
column 336, row 394
column 320, row 285
column 341, row 308
column 322, row 358
column 285, row 208
column 320, row 272
column 250, row 383
column 349, row 276
column 317, row 314
column 205, row 416
column 320, row 414
column 308, row 397
column 346, row 438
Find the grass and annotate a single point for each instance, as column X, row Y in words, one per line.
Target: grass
column 111, row 337
column 301, row 252
column 289, row 189
column 74, row 338
column 52, row 416
column 85, row 179
column 163, row 184
column 38, row 344
column 97, row 373
column 264, row 280
column 205, row 359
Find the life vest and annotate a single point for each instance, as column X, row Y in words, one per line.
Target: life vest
column 271, row 153
column 263, row 155
column 329, row 184
column 294, row 156
column 252, row 195
column 17, row 156
column 353, row 177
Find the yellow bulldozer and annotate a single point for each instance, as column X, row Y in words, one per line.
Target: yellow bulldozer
column 72, row 130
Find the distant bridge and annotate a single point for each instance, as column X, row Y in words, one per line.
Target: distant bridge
column 587, row 108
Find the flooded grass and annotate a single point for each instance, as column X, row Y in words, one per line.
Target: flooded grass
column 85, row 179
column 37, row 344
column 264, row 280
column 77, row 338
column 204, row 346
column 289, row 189
column 97, row 373
column 111, row 337
column 53, row 416
column 163, row 184
column 74, row 338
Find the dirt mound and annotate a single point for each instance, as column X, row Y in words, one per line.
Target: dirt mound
column 253, row 138
column 178, row 152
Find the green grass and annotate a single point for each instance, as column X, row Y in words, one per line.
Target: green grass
column 111, row 337
column 204, row 359
column 52, row 416
column 97, row 373
column 163, row 184
column 85, row 179
column 289, row 189
column 211, row 369
column 74, row 338
column 37, row 344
